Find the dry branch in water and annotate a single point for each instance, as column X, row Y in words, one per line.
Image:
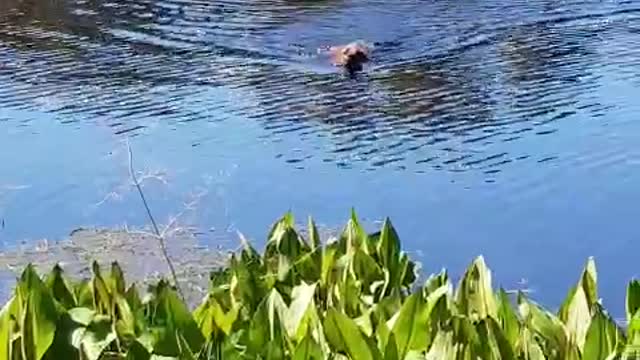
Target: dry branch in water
column 161, row 239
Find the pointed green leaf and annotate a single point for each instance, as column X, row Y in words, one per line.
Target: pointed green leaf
column 137, row 351
column 366, row 269
column 388, row 250
column 508, row 319
column 633, row 299
column 328, row 261
column 117, row 279
column 172, row 316
column 475, row 295
column 185, row 351
column 301, row 311
column 411, row 327
column 60, row 288
column 84, row 295
column 62, row 347
column 345, row 337
column 407, row 271
column 308, row 349
column 442, row 347
column 314, row 236
column 38, row 323
column 529, row 349
column 576, row 310
column 353, row 236
column 97, row 337
column 8, row 316
column 100, row 291
column 494, row 344
column 82, row 315
column 391, row 348
column 602, row 337
column 547, row 326
column 126, row 320
column 213, row 320
column 266, row 331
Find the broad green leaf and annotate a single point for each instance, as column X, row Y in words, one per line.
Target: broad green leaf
column 475, row 295
column 328, row 261
column 411, row 326
column 97, row 337
column 126, row 320
column 528, row 348
column 364, row 323
column 414, row 355
column 266, row 332
column 602, row 337
column 185, row 351
column 285, row 241
column 84, row 294
column 246, row 285
column 314, row 236
column 353, row 236
column 100, row 291
column 633, row 299
column 133, row 298
column 60, row 288
column 137, row 351
column 171, row 316
column 382, row 331
column 576, row 310
column 436, row 281
column 365, row 268
column 547, row 326
column 301, row 311
column 345, row 337
column 38, row 323
column 117, row 279
column 62, row 347
column 213, row 320
column 276, row 311
column 388, row 250
column 82, row 315
column 493, row 342
column 407, row 271
column 388, row 246
column 8, row 317
column 391, row 348
column 308, row 349
column 508, row 319
column 350, row 295
column 311, row 265
column 442, row 347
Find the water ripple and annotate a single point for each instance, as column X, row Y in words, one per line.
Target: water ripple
column 437, row 81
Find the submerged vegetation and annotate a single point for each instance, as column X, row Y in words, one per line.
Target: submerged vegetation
column 355, row 297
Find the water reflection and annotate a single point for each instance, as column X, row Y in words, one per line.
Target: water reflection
column 441, row 94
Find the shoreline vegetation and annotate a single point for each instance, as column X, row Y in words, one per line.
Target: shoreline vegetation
column 355, row 296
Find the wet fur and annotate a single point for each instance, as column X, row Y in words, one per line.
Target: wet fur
column 351, row 56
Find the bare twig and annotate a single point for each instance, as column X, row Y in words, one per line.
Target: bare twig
column 161, row 240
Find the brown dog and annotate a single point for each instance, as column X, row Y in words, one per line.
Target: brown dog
column 350, row 56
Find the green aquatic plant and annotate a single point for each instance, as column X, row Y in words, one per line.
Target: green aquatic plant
column 355, row 297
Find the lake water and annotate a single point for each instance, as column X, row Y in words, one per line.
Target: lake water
column 508, row 129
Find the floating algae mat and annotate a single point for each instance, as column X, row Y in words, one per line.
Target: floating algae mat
column 138, row 254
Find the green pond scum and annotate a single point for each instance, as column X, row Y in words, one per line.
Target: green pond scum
column 356, row 296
